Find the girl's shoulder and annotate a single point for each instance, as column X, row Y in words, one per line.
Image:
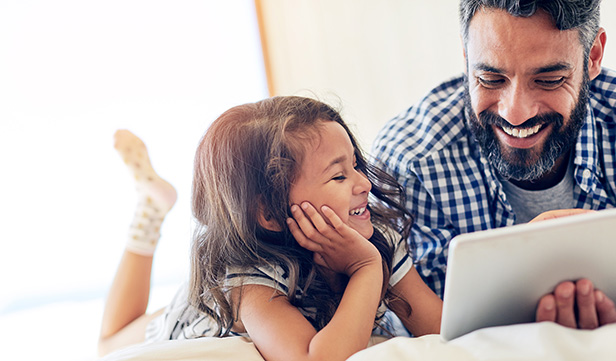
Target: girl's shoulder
column 270, row 275
column 390, row 234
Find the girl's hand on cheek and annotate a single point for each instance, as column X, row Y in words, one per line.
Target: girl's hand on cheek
column 335, row 245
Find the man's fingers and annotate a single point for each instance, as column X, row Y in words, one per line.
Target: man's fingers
column 557, row 213
column 565, row 303
column 605, row 308
column 585, row 298
column 577, row 305
column 546, row 310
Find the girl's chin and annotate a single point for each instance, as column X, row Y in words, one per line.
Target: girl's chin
column 366, row 232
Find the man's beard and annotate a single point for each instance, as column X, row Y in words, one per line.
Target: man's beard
column 527, row 164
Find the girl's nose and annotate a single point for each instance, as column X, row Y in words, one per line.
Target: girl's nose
column 362, row 184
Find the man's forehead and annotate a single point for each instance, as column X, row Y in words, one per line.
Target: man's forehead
column 497, row 39
column 501, row 20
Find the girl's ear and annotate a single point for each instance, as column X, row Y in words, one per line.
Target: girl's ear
column 266, row 221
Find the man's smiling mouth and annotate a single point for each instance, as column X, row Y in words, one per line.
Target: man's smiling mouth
column 521, row 132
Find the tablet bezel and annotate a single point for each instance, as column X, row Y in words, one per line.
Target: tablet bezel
column 496, row 277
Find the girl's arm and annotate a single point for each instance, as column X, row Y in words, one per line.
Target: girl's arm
column 425, row 317
column 281, row 332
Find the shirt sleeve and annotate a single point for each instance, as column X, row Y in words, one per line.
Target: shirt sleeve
column 402, row 261
column 269, row 276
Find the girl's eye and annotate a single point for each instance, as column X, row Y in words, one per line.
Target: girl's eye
column 339, row 178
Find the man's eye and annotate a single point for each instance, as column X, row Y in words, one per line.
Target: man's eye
column 550, row 83
column 490, row 82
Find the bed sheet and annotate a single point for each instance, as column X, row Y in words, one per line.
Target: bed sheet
column 527, row 342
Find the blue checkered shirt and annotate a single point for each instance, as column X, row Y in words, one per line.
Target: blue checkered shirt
column 452, row 189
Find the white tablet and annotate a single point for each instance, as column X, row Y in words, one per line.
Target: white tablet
column 496, row 277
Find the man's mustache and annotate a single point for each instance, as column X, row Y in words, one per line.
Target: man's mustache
column 490, row 118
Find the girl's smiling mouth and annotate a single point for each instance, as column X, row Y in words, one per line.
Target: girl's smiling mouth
column 362, row 212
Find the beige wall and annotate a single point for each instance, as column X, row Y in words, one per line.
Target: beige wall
column 374, row 58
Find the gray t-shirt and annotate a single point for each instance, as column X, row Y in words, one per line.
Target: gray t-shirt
column 529, row 204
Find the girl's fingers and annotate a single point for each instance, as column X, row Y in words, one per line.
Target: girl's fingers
column 301, row 238
column 329, row 225
column 339, row 226
column 310, row 222
column 314, row 216
column 319, row 260
column 332, row 217
column 302, row 221
column 306, row 225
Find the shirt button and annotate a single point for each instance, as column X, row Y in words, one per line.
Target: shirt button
column 586, row 173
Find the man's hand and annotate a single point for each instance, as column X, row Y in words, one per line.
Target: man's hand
column 558, row 213
column 577, row 305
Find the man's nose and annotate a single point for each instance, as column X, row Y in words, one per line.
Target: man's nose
column 517, row 105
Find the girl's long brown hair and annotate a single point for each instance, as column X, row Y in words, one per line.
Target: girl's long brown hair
column 245, row 164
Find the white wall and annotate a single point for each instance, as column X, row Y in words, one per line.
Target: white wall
column 71, row 73
column 375, row 58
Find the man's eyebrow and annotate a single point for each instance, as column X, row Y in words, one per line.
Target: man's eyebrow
column 552, row 67
column 488, row 68
column 541, row 70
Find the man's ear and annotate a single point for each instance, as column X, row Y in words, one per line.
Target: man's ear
column 266, row 221
column 595, row 55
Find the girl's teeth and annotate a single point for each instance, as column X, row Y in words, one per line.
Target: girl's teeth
column 523, row 132
column 358, row 211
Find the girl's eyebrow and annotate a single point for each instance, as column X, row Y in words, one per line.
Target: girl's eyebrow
column 336, row 160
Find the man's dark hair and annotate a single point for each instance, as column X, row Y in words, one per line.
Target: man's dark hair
column 566, row 14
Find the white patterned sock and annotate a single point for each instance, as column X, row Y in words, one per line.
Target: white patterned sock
column 155, row 196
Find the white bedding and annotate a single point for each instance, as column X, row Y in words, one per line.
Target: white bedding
column 539, row 341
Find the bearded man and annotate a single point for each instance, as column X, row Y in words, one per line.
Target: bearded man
column 529, row 127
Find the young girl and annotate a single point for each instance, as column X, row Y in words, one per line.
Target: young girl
column 300, row 242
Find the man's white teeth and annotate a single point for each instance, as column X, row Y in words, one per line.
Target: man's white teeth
column 357, row 211
column 523, row 132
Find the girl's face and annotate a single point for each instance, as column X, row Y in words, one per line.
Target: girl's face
column 328, row 177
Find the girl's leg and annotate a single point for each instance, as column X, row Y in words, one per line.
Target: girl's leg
column 124, row 318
